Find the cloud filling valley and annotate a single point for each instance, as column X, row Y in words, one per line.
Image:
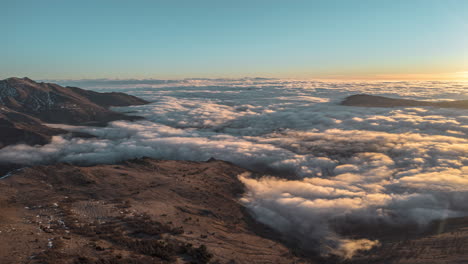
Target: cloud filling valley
column 323, row 165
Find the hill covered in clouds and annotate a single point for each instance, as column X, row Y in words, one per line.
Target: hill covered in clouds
column 26, row 104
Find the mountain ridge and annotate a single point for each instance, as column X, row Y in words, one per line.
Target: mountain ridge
column 25, row 105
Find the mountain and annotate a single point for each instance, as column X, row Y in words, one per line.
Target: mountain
column 25, row 104
column 138, row 211
column 366, row 100
column 53, row 103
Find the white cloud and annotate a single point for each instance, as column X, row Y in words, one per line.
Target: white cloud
column 330, row 162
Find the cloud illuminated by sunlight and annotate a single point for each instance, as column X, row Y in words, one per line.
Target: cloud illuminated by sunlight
column 463, row 75
column 451, row 76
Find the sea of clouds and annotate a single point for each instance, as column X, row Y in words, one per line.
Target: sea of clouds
column 325, row 165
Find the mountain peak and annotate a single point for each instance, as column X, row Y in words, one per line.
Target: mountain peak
column 18, row 79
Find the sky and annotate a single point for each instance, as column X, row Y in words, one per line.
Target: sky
column 308, row 39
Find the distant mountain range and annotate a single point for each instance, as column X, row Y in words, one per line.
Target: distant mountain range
column 25, row 104
column 366, row 100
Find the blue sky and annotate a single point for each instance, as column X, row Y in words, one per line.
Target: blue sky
column 176, row 39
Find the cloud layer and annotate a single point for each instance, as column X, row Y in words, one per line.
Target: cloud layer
column 330, row 164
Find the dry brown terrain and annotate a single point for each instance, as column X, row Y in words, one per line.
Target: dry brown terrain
column 140, row 211
column 155, row 211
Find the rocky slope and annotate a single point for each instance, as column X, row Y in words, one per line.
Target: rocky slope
column 366, row 100
column 139, row 211
column 20, row 128
column 24, row 104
